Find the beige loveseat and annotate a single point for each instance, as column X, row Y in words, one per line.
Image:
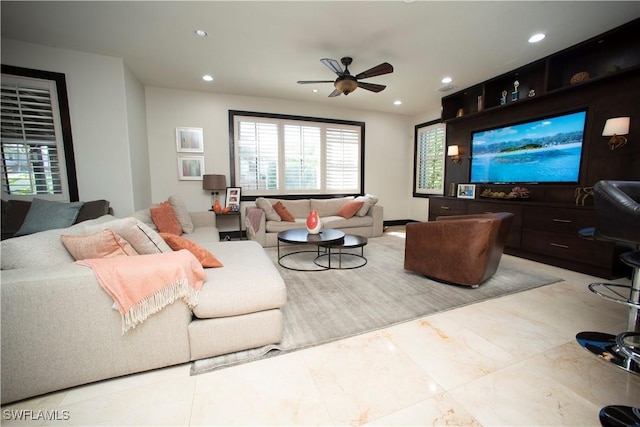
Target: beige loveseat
column 263, row 224
column 59, row 327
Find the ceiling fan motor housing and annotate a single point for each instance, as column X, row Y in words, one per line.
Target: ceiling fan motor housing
column 346, row 84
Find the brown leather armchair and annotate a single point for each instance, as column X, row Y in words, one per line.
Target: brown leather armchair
column 461, row 249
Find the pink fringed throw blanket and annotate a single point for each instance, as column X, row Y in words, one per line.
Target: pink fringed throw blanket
column 145, row 284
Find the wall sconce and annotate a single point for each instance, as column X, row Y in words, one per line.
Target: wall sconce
column 214, row 182
column 453, row 151
column 615, row 128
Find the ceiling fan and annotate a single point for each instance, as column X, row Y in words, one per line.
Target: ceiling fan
column 346, row 83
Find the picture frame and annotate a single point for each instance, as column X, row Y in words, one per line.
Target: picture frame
column 466, row 191
column 190, row 140
column 190, row 168
column 232, row 200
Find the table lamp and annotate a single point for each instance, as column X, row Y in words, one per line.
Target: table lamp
column 214, row 183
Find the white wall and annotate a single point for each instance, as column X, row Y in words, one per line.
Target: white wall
column 98, row 108
column 388, row 143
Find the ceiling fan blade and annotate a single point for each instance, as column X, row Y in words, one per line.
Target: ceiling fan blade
column 333, row 65
column 378, row 70
column 306, row 82
column 371, row 86
column 336, row 92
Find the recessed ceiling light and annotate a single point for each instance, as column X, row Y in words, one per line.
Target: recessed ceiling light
column 201, row 33
column 398, row 102
column 315, row 91
column 536, row 38
column 207, row 78
column 447, row 80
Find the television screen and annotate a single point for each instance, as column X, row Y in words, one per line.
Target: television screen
column 546, row 150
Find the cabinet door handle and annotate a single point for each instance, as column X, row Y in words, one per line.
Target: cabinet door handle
column 568, row 221
column 446, row 208
column 558, row 245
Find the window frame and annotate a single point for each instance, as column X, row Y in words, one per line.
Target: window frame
column 70, row 193
column 433, row 124
column 284, row 119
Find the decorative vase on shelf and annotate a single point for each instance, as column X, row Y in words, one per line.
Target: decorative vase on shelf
column 216, row 206
column 313, row 222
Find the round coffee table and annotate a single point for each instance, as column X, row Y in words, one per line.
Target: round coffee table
column 349, row 242
column 300, row 236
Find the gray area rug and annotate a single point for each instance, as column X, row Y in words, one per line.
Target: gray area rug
column 326, row 306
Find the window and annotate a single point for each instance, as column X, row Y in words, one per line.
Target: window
column 429, row 158
column 290, row 155
column 34, row 153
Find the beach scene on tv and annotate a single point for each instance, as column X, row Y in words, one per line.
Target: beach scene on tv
column 545, row 150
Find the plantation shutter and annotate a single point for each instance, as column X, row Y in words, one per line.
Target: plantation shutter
column 286, row 156
column 430, row 146
column 30, row 137
column 257, row 146
column 343, row 147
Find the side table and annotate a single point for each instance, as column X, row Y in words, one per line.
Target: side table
column 228, row 214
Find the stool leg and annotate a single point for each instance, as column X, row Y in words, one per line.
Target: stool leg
column 634, row 298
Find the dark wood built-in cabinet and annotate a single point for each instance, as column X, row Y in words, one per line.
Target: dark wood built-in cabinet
column 546, row 225
column 543, row 232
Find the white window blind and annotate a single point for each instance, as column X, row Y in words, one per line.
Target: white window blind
column 286, row 156
column 31, row 141
column 430, row 156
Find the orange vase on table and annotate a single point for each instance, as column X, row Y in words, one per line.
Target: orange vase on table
column 216, row 206
column 313, row 222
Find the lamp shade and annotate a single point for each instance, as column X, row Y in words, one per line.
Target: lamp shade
column 616, row 126
column 453, row 150
column 214, row 182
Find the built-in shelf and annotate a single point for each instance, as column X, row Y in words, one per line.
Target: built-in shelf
column 602, row 57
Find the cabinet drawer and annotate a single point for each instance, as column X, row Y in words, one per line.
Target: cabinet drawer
column 569, row 247
column 558, row 220
column 445, row 207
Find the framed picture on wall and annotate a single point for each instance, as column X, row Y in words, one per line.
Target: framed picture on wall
column 189, row 140
column 190, row 168
column 467, row 191
column 233, row 198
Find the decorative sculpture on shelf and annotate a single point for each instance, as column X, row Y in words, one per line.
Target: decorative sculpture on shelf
column 515, row 94
column 503, row 100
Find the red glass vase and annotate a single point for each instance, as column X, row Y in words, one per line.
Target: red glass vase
column 313, row 222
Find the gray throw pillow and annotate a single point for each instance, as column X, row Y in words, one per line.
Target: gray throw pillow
column 269, row 212
column 48, row 215
column 180, row 210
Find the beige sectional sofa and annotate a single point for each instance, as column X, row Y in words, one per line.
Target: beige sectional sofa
column 263, row 224
column 60, row 329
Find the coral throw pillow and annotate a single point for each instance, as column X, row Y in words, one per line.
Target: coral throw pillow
column 206, row 258
column 165, row 219
column 284, row 213
column 349, row 209
column 101, row 244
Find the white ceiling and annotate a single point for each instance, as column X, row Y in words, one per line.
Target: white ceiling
column 262, row 48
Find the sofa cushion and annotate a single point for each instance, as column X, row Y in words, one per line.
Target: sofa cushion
column 180, row 210
column 283, row 212
column 297, row 208
column 269, row 212
column 278, row 226
column 341, row 223
column 349, row 209
column 236, row 289
column 144, row 216
column 368, row 201
column 328, row 207
column 44, row 248
column 47, row 215
column 206, row 258
column 165, row 219
column 101, row 244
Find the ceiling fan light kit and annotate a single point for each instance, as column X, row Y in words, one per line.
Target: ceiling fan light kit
column 346, row 83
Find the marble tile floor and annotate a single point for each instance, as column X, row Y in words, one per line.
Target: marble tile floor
column 510, row 361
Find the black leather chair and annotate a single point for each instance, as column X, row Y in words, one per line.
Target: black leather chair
column 617, row 209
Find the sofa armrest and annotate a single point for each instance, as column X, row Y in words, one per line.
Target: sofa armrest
column 203, row 218
column 377, row 212
column 256, row 224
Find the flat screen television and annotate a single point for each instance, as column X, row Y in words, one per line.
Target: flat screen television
column 545, row 150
